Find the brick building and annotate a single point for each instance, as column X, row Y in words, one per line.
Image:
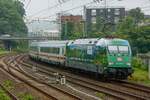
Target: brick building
column 71, row 18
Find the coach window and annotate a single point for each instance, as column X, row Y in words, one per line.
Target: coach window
column 55, row 50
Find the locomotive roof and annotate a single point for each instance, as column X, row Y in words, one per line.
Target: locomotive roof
column 114, row 41
column 84, row 41
column 99, row 42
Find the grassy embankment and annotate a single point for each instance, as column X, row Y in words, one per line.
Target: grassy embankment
column 3, row 51
column 8, row 84
column 3, row 95
column 140, row 74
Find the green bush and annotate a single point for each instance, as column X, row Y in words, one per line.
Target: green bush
column 26, row 96
column 101, row 95
column 3, row 95
column 8, row 84
column 137, row 63
column 140, row 74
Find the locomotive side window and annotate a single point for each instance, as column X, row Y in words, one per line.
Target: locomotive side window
column 89, row 50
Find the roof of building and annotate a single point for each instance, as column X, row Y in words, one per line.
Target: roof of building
column 102, row 7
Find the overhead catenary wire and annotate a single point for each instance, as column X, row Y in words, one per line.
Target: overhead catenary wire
column 77, row 7
column 53, row 15
column 49, row 8
column 43, row 10
column 28, row 4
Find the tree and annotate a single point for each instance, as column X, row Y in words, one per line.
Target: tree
column 20, row 7
column 137, row 14
column 101, row 28
column 126, row 25
column 140, row 39
column 67, row 29
column 11, row 18
column 71, row 30
column 137, row 35
column 100, row 24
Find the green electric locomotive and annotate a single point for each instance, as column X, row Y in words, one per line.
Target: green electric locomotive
column 109, row 57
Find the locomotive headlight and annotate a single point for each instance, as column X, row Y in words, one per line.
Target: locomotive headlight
column 111, row 63
column 129, row 64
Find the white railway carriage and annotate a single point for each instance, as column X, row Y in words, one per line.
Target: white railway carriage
column 49, row 51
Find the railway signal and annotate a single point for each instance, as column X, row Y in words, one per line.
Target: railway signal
column 34, row 69
column 63, row 80
column 60, row 78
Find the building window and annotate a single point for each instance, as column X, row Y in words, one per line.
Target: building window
column 93, row 12
column 109, row 10
column 93, row 19
column 116, row 19
column 101, row 10
column 117, row 11
column 108, row 16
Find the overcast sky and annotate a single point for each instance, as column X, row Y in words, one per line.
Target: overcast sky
column 39, row 8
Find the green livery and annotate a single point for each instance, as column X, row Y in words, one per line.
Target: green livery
column 109, row 57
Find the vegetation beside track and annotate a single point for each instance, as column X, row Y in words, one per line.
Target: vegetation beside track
column 3, row 95
column 140, row 74
column 8, row 84
column 26, row 96
column 101, row 95
column 2, row 51
column 16, row 51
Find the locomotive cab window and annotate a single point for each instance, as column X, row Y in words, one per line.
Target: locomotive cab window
column 112, row 49
column 123, row 49
column 118, row 49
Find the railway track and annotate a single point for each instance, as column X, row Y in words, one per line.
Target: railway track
column 11, row 95
column 145, row 90
column 8, row 61
column 60, row 88
column 8, row 68
column 125, row 91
